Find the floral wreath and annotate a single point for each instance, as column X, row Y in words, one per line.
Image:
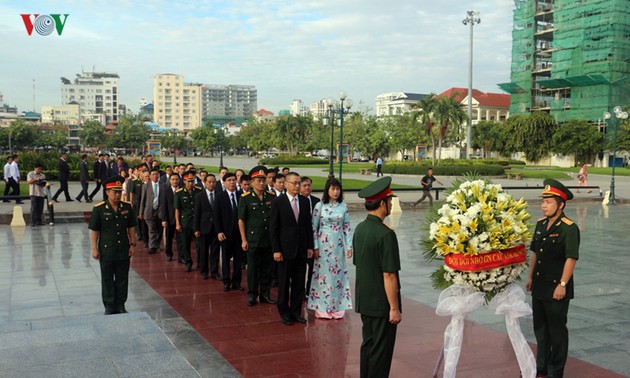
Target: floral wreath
column 480, row 233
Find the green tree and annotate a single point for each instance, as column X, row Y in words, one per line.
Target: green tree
column 293, row 131
column 423, row 113
column 259, row 135
column 530, row 134
column 56, row 137
column 487, row 136
column 204, row 137
column 173, row 140
column 22, row 134
column 92, row 134
column 623, row 137
column 403, row 131
column 131, row 132
column 578, row 138
column 447, row 112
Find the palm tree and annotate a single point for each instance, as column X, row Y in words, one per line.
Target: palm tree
column 423, row 113
column 448, row 111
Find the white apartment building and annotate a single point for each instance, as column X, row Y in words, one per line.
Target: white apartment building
column 298, row 108
column 66, row 115
column 393, row 103
column 229, row 100
column 177, row 105
column 95, row 92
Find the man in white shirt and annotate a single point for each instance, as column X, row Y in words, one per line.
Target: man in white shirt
column 7, row 175
column 37, row 182
column 14, row 178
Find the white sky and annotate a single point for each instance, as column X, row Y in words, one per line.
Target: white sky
column 288, row 49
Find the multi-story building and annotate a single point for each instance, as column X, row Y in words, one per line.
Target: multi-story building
column 298, row 108
column 569, row 58
column 229, row 101
column 95, row 92
column 393, row 103
column 318, row 109
column 485, row 106
column 65, row 115
column 177, row 105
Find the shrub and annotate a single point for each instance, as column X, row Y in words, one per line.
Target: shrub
column 292, row 160
column 446, row 168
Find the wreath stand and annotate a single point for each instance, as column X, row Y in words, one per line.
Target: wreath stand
column 457, row 301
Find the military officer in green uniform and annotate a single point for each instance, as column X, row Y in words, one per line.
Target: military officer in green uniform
column 184, row 206
column 377, row 293
column 555, row 247
column 113, row 243
column 253, row 223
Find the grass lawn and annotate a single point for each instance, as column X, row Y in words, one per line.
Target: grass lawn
column 539, row 173
column 23, row 188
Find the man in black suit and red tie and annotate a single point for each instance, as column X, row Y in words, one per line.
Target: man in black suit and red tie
column 203, row 227
column 292, row 243
column 226, row 226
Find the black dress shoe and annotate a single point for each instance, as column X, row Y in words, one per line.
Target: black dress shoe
column 216, row 277
column 287, row 321
column 204, row 276
column 267, row 299
column 299, row 319
column 78, row 199
column 226, row 287
column 181, row 261
column 122, row 310
column 251, row 301
column 110, row 312
column 188, row 268
column 152, row 251
column 169, row 258
column 237, row 287
column 70, row 200
column 274, row 283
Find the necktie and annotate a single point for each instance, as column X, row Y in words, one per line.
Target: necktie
column 155, row 196
column 211, row 199
column 294, row 205
column 234, row 208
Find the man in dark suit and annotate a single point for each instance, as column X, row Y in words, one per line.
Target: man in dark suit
column 203, row 227
column 84, row 178
column 150, row 209
column 64, row 176
column 306, row 188
column 226, row 226
column 292, row 243
column 97, row 173
column 167, row 216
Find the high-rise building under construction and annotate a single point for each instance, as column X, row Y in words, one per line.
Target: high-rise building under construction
column 570, row 58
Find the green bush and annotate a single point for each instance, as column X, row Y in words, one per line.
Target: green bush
column 446, row 168
column 285, row 160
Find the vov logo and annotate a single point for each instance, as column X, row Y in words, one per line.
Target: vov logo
column 44, row 24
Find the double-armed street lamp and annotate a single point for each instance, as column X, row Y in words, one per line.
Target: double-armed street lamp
column 337, row 110
column 471, row 19
column 619, row 115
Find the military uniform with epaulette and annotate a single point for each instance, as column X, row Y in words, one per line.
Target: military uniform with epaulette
column 184, row 202
column 255, row 211
column 375, row 252
column 552, row 245
column 113, row 246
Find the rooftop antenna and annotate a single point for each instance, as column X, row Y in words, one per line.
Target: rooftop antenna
column 33, row 95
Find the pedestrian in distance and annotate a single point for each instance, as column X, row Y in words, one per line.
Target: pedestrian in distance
column 84, row 179
column 427, row 184
column 37, row 184
column 379, row 166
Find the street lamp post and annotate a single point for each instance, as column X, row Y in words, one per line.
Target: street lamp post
column 338, row 110
column 343, row 96
column 328, row 118
column 221, row 148
column 471, row 19
column 619, row 115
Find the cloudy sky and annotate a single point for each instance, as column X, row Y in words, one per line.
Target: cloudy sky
column 288, row 49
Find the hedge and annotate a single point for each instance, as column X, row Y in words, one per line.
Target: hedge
column 444, row 169
column 293, row 160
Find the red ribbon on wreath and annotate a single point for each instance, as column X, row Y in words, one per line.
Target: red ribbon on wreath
column 486, row 261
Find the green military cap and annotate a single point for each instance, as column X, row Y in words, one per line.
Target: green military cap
column 557, row 189
column 377, row 190
column 115, row 183
column 258, row 171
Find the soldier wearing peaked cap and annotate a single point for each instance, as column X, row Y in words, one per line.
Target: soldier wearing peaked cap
column 113, row 243
column 254, row 209
column 184, row 205
column 377, row 295
column 554, row 247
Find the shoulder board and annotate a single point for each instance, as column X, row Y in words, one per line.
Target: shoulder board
column 272, row 193
column 541, row 219
column 388, row 227
column 127, row 202
column 197, row 187
column 246, row 194
column 179, row 190
column 100, row 204
column 567, row 221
